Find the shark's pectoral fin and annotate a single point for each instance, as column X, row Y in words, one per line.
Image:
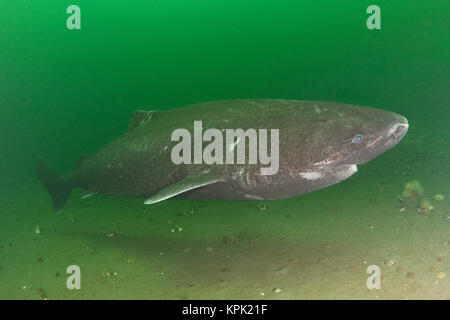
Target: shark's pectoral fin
column 190, row 182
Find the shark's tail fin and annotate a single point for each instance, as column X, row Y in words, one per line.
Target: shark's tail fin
column 58, row 188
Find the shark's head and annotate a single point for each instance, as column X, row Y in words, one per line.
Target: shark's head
column 356, row 135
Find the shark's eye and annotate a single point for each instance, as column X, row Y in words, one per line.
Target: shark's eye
column 357, row 139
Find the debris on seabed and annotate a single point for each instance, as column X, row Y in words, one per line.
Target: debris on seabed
column 114, row 234
column 261, row 206
column 177, row 228
column 441, row 275
column 277, row 290
column 112, row 275
column 389, row 263
column 410, row 275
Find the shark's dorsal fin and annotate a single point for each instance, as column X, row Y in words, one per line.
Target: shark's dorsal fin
column 139, row 117
column 187, row 183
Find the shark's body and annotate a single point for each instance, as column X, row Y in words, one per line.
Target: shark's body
column 317, row 148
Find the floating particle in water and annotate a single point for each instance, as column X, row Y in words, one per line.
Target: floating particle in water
column 441, row 275
column 438, row 197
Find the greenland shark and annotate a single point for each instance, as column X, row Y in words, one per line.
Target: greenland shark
column 319, row 144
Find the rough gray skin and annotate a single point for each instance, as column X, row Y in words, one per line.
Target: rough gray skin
column 315, row 151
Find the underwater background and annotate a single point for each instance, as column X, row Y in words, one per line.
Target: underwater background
column 68, row 92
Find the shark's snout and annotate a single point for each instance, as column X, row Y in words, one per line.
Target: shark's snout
column 400, row 129
column 392, row 130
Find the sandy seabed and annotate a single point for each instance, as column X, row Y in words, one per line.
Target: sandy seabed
column 315, row 246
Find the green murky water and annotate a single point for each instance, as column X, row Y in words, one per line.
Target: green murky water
column 67, row 92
